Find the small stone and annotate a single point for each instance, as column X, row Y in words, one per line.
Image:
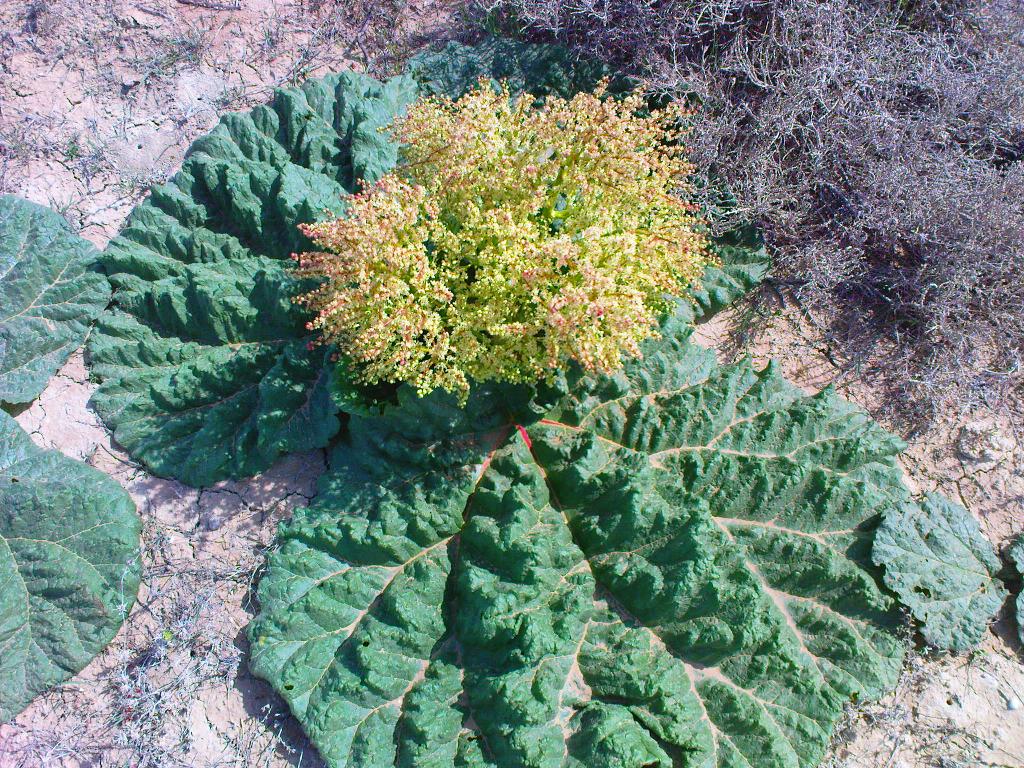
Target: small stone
column 982, row 442
column 1013, row 704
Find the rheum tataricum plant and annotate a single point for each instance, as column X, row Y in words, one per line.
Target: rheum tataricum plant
column 512, row 239
column 679, row 564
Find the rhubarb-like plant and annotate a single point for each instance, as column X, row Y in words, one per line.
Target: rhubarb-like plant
column 673, row 564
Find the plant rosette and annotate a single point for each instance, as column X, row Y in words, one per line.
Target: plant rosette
column 669, row 565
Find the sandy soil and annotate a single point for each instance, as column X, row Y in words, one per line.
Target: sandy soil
column 100, row 99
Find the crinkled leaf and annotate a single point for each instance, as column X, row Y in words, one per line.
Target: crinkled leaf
column 69, row 565
column 204, row 366
column 668, row 567
column 1016, row 555
column 943, row 568
column 50, row 292
column 742, row 263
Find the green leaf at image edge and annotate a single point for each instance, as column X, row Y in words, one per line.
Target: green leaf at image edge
column 69, row 566
column 50, row 292
column 668, row 567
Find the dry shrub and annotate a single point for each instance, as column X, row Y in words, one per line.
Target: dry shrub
column 876, row 142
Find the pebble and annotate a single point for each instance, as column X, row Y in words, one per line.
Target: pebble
column 1013, row 704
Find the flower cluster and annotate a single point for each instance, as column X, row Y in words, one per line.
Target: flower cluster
column 512, row 238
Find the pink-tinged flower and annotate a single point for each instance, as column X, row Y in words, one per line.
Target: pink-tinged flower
column 463, row 268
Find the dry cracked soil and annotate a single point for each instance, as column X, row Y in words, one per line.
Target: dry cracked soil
column 100, row 99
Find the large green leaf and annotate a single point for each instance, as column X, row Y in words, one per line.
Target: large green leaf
column 69, row 565
column 204, row 366
column 668, row 567
column 50, row 292
column 741, row 264
column 943, row 568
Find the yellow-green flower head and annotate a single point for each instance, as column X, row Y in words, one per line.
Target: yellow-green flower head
column 512, row 239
